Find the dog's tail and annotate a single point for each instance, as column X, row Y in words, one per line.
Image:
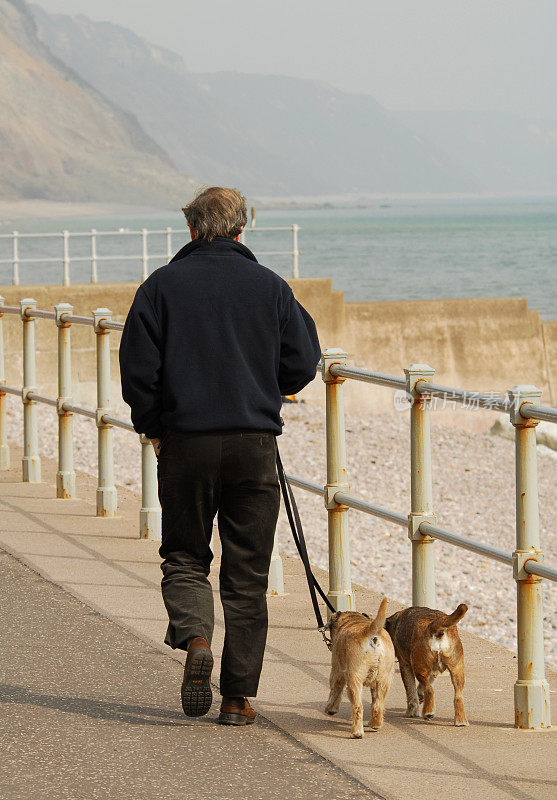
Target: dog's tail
column 379, row 621
column 452, row 619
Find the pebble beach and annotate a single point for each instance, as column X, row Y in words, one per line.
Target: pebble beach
column 473, row 487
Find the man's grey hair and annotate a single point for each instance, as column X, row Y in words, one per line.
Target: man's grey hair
column 217, row 211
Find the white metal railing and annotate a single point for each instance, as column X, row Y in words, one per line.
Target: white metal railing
column 532, row 701
column 65, row 259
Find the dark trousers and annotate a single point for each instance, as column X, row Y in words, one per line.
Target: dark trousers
column 232, row 474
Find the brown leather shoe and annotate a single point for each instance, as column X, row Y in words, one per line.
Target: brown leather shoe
column 236, row 711
column 196, row 685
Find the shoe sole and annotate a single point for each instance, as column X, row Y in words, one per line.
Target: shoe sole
column 197, row 695
column 234, row 719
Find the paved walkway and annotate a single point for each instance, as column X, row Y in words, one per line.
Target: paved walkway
column 93, row 706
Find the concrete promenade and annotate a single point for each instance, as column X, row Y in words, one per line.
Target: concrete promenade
column 91, row 701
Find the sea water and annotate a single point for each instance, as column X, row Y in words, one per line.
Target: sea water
column 393, row 250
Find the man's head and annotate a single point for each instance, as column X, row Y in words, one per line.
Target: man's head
column 216, row 211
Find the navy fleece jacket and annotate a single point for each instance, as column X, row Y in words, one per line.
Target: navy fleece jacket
column 211, row 342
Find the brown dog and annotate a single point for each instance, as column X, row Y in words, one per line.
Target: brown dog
column 362, row 655
column 426, row 643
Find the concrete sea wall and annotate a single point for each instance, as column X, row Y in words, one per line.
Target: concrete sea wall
column 486, row 344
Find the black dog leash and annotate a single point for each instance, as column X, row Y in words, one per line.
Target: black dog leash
column 300, row 542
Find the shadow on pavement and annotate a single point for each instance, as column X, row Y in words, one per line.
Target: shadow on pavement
column 97, row 709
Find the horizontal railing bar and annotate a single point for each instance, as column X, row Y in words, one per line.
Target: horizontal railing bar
column 368, row 376
column 156, row 232
column 274, row 252
column 307, row 485
column 39, row 398
column 466, row 543
column 138, row 257
column 77, row 319
column 39, row 313
column 530, row 411
column 66, row 318
column 369, row 508
column 399, row 519
column 72, row 259
column 534, row 568
column 118, row 423
column 112, row 326
column 119, row 233
column 46, row 259
column 9, row 389
column 463, row 396
column 85, row 412
column 30, row 235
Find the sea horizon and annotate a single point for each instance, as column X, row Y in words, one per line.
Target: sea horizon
column 401, row 248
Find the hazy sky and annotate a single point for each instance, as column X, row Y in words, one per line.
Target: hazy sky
column 498, row 55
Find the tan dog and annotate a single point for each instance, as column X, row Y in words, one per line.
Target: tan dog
column 362, row 655
column 426, row 643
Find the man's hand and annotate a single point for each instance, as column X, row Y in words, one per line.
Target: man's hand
column 156, row 446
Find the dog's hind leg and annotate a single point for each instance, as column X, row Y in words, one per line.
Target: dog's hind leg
column 354, row 690
column 337, row 684
column 412, row 701
column 379, row 691
column 428, row 709
column 457, row 678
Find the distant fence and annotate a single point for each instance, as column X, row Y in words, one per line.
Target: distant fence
column 143, row 258
column 531, row 690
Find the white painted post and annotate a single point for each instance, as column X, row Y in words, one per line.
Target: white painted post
column 150, row 513
column 65, row 476
column 31, row 461
column 15, row 259
column 340, row 586
column 168, row 244
column 94, row 273
column 531, row 690
column 276, row 572
column 423, row 554
column 144, row 256
column 242, row 237
column 295, row 252
column 4, row 447
column 106, row 491
column 66, row 262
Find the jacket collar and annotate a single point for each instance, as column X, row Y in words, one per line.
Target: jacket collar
column 220, row 244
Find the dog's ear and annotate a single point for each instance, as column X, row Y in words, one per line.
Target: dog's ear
column 379, row 621
column 331, row 623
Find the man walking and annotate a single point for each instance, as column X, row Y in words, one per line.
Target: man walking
column 211, row 342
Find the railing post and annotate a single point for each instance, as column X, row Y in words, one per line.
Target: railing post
column 31, row 460
column 340, row 586
column 4, row 447
column 169, row 243
column 65, row 476
column 15, row 259
column 150, row 513
column 106, row 491
column 295, row 251
column 94, row 273
column 66, row 262
column 531, row 690
column 423, row 554
column 144, row 256
column 242, row 237
column 276, row 572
